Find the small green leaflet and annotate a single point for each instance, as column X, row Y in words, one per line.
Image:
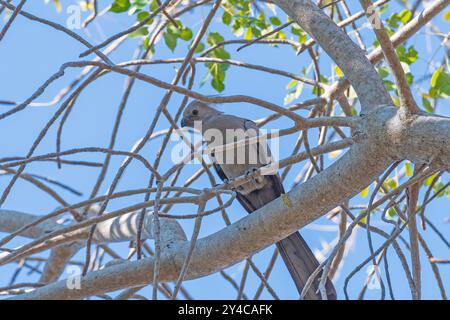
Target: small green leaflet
column 119, row 6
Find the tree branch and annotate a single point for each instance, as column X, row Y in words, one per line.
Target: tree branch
column 406, row 98
column 359, row 71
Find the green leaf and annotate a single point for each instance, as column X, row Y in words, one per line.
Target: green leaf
column 171, row 40
column 299, row 89
column 248, row 34
column 256, row 32
column 141, row 32
column 427, row 104
column 57, row 5
column 275, row 21
column 391, row 183
column 435, row 77
column 154, row 5
column 296, row 29
column 438, row 186
column 200, row 47
column 186, row 34
column 299, row 32
column 363, row 220
column 220, row 53
column 142, row 15
column 226, row 18
column 440, row 83
column 392, row 212
column 396, row 101
column 409, row 78
column 408, row 56
column 218, row 85
column 291, row 84
column 119, row 6
column 408, row 169
column 390, row 86
column 214, row 38
column 383, row 72
column 294, row 94
column 383, row 8
column 365, row 192
column 302, row 38
column 146, row 43
column 429, row 180
column 396, row 18
column 217, row 71
column 447, row 16
column 405, row 16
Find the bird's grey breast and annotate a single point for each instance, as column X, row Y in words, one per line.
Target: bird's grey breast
column 225, row 136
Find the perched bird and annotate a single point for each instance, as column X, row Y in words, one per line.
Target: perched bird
column 244, row 159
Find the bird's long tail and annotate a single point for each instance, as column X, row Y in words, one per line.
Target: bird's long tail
column 294, row 250
column 301, row 263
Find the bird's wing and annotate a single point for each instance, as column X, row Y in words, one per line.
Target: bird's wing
column 262, row 148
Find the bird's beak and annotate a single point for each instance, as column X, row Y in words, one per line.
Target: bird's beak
column 183, row 122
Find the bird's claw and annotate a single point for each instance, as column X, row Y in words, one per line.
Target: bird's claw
column 257, row 179
column 228, row 182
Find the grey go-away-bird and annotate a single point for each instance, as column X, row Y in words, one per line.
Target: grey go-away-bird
column 244, row 159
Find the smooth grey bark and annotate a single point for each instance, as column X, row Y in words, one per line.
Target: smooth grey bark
column 11, row 220
column 120, row 229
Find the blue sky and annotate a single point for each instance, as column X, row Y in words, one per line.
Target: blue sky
column 31, row 52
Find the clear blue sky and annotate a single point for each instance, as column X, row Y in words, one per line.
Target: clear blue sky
column 31, row 52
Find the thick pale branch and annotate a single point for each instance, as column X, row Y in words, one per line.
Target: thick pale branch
column 406, row 97
column 58, row 259
column 11, row 221
column 339, row 46
column 119, row 229
column 125, row 228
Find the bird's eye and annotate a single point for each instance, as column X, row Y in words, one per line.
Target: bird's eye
column 195, row 112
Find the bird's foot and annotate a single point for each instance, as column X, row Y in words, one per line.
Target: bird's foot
column 228, row 182
column 258, row 181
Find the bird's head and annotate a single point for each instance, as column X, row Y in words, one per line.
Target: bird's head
column 197, row 111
